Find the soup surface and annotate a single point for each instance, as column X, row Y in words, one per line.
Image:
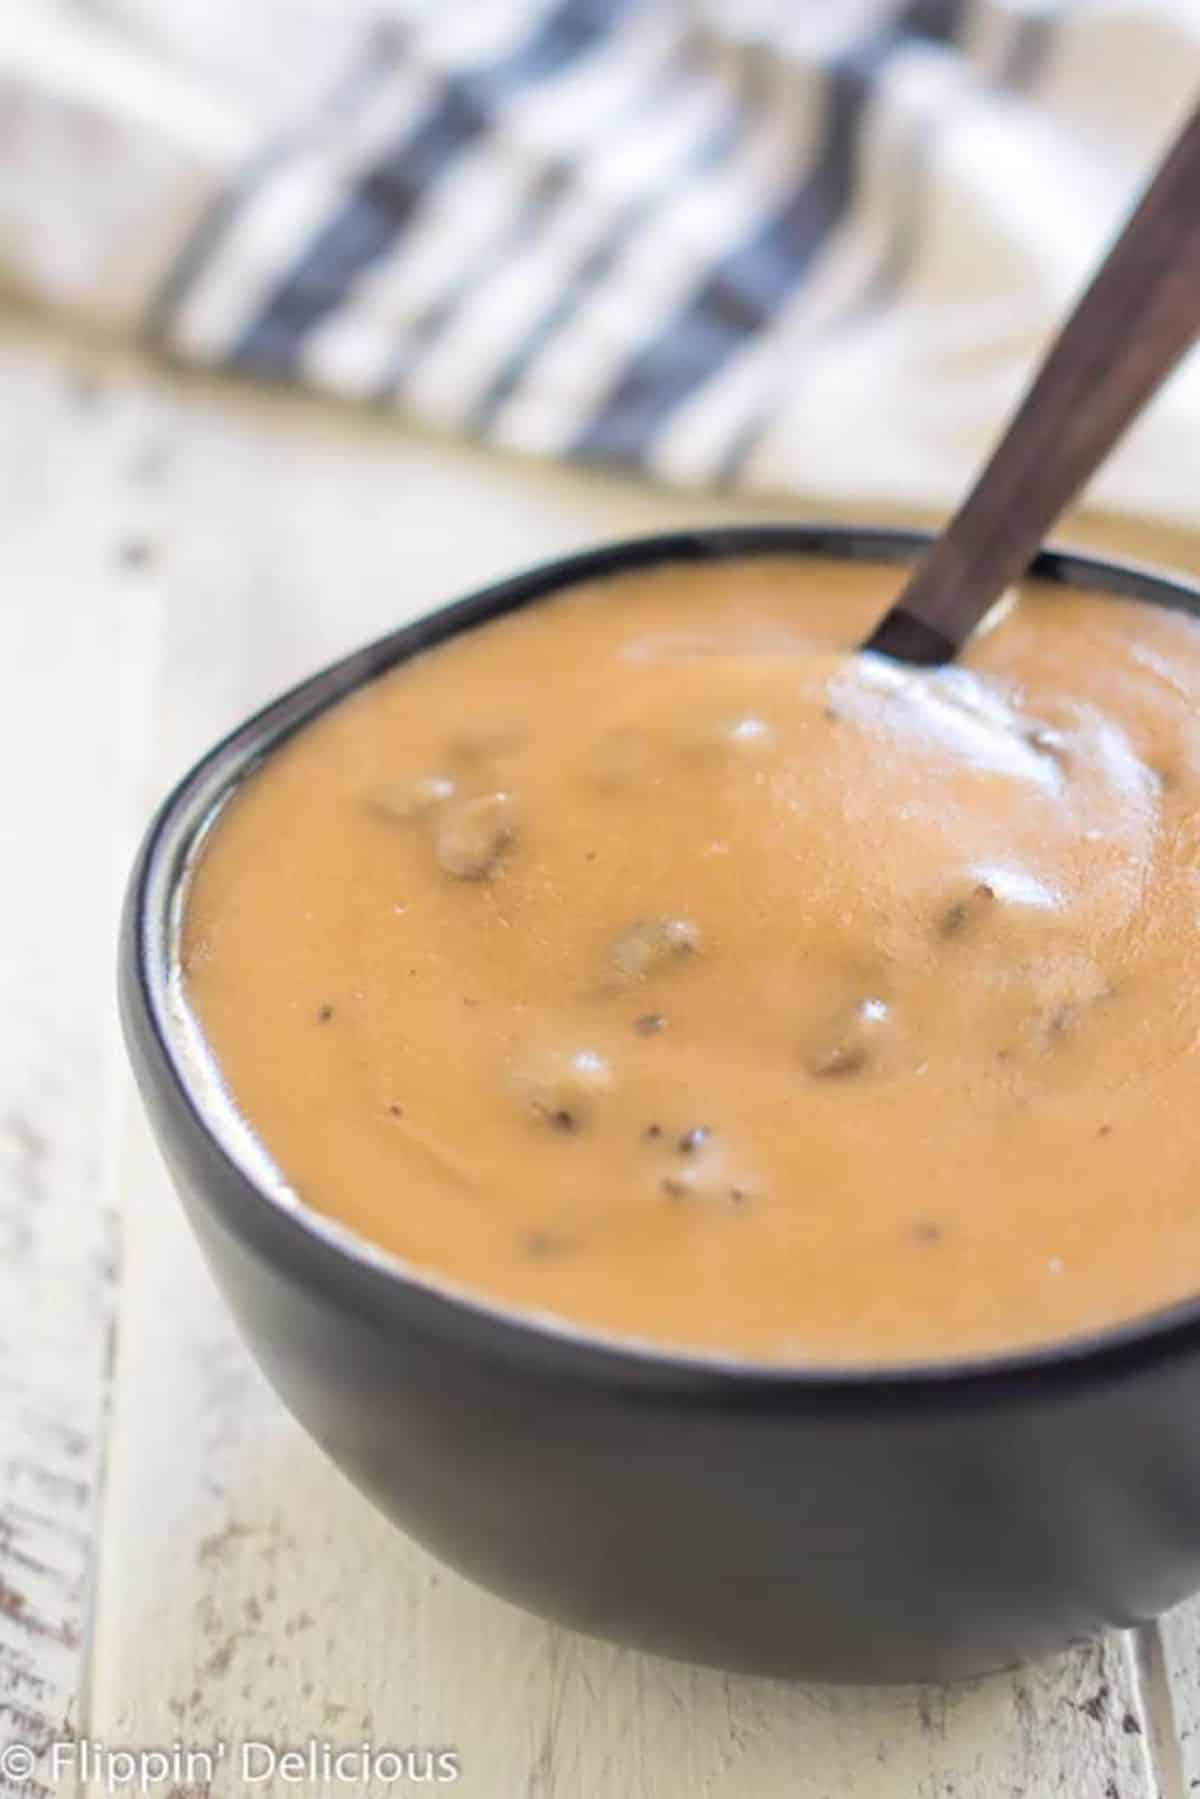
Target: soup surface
column 647, row 959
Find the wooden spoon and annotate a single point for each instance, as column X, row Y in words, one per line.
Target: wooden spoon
column 1141, row 312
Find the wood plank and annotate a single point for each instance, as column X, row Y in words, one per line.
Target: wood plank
column 252, row 1596
column 1169, row 1651
column 247, row 1592
column 79, row 626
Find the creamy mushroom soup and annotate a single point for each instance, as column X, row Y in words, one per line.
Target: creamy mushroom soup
column 649, row 959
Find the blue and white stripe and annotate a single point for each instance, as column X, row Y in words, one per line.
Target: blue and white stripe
column 614, row 230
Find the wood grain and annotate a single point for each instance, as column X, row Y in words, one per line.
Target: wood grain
column 79, row 635
column 243, row 1589
column 1139, row 314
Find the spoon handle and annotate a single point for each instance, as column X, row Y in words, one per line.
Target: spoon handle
column 1139, row 315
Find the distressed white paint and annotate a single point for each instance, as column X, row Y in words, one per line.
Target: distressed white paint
column 78, row 626
column 244, row 1590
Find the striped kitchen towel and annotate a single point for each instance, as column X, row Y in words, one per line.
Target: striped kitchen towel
column 791, row 245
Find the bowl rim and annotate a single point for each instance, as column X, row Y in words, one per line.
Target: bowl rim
column 388, row 1290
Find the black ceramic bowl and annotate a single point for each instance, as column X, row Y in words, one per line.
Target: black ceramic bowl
column 889, row 1524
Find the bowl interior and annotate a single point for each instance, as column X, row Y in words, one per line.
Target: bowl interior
column 183, row 1065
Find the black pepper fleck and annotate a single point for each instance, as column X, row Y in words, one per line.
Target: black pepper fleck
column 1058, row 1022
column 649, row 1024
column 956, row 917
column 1047, row 740
column 563, row 1120
column 1094, row 1707
column 542, row 1245
column 652, row 1131
column 927, row 1232
column 396, row 1111
column 1130, row 1725
column 1104, row 1131
column 693, row 1140
column 324, row 1014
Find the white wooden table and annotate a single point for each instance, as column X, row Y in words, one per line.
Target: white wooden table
column 178, row 1563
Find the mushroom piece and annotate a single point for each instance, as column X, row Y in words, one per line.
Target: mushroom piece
column 650, row 945
column 562, row 1086
column 472, row 835
column 852, row 1040
column 410, row 796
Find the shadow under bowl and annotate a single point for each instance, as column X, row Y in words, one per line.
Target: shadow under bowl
column 890, row 1524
